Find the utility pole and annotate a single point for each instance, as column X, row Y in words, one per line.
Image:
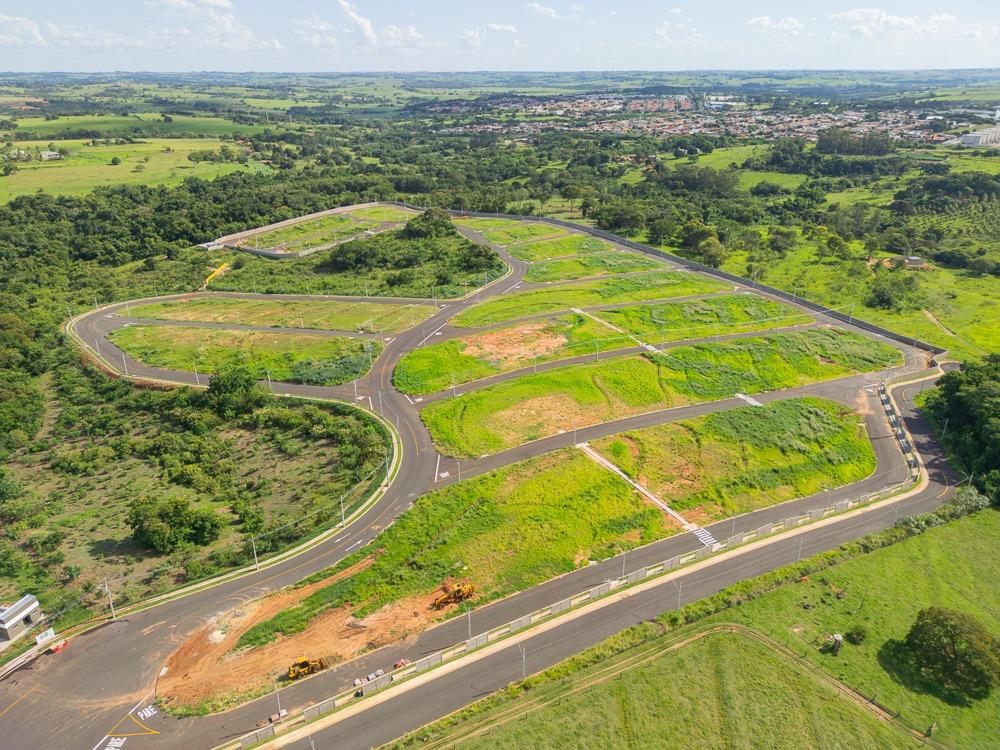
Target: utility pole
column 625, row 552
column 798, row 555
column 196, row 380
column 277, row 696
column 468, row 616
column 459, row 469
column 253, row 544
column 124, row 364
column 524, row 659
column 111, row 602
column 269, row 380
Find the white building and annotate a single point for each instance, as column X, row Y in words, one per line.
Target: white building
column 989, row 137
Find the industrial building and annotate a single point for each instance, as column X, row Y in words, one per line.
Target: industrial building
column 989, row 137
column 19, row 618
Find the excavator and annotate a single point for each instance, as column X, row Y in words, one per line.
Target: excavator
column 454, row 595
column 304, row 666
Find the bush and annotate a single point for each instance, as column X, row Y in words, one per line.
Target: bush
column 953, row 651
column 431, row 223
column 856, row 634
column 167, row 524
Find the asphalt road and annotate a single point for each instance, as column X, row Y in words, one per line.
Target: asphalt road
column 76, row 698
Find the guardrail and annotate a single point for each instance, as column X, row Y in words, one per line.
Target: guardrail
column 592, row 593
column 700, row 267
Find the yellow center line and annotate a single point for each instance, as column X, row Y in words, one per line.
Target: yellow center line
column 29, row 692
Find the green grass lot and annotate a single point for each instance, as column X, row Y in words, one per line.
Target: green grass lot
column 573, row 244
column 322, row 314
column 504, row 531
column 660, row 285
column 146, row 124
column 736, row 461
column 439, row 278
column 711, row 316
column 598, row 264
column 308, row 234
column 508, row 414
column 720, row 158
column 506, row 231
column 965, row 305
column 293, row 358
column 778, row 704
column 721, row 691
column 751, row 178
column 156, row 161
column 383, row 213
column 439, row 366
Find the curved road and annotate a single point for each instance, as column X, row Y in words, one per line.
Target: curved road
column 77, row 698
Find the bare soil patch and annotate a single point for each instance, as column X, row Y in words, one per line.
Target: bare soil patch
column 510, row 347
column 541, row 416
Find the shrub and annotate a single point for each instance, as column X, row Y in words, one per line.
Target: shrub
column 856, row 634
column 953, row 651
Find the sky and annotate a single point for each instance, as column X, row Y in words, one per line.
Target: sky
column 443, row 35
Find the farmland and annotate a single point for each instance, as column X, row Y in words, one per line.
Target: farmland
column 652, row 286
column 154, row 161
column 508, row 414
column 597, row 264
column 147, row 124
column 438, row 366
column 296, row 358
column 504, row 531
column 739, row 460
column 317, row 314
column 711, row 316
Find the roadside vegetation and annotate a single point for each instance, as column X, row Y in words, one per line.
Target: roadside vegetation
column 424, row 259
column 739, row 460
column 330, row 315
column 561, row 247
column 157, row 488
column 735, row 696
column 503, row 532
column 510, row 413
column 649, row 286
column 438, row 366
column 314, row 359
column 596, row 264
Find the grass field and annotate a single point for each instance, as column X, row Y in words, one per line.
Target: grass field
column 156, row 161
column 712, row 316
column 573, row 244
column 508, row 414
column 777, row 703
column 506, row 231
column 743, row 459
column 597, row 264
column 660, row 285
column 320, row 314
column 147, row 124
column 293, row 358
column 383, row 213
column 721, row 691
column 964, row 305
column 439, row 366
column 308, row 234
column 504, row 532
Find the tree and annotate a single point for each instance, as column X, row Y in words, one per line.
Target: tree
column 953, row 651
column 694, row 233
column 661, row 231
column 234, row 391
column 431, row 223
column 712, row 252
column 166, row 524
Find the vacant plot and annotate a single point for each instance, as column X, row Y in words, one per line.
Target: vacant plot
column 508, row 414
column 659, row 285
column 504, row 532
column 383, row 213
column 287, row 357
column 712, row 316
column 146, row 124
column 736, row 461
column 506, row 231
column 309, row 234
column 320, row 314
column 573, row 244
column 154, row 161
column 736, row 692
column 439, row 366
column 598, row 264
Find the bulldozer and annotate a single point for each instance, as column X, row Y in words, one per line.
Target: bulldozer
column 454, row 594
column 304, row 666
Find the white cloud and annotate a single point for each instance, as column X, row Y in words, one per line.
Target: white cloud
column 20, row 30
column 788, row 24
column 543, row 10
column 676, row 11
column 475, row 37
column 91, row 37
column 981, row 31
column 401, row 36
column 576, row 7
column 501, row 28
column 315, row 31
column 872, row 22
column 363, row 25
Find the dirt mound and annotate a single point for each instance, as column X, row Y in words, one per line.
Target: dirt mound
column 205, row 667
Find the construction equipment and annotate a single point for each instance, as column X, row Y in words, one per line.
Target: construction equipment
column 454, row 595
column 305, row 666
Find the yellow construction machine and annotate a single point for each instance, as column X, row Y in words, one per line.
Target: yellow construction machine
column 454, row 594
column 304, row 666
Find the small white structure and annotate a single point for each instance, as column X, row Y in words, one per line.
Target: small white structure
column 19, row 618
column 982, row 137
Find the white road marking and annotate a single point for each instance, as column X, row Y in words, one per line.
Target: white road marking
column 433, row 333
column 437, row 469
column 356, row 544
column 751, row 401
